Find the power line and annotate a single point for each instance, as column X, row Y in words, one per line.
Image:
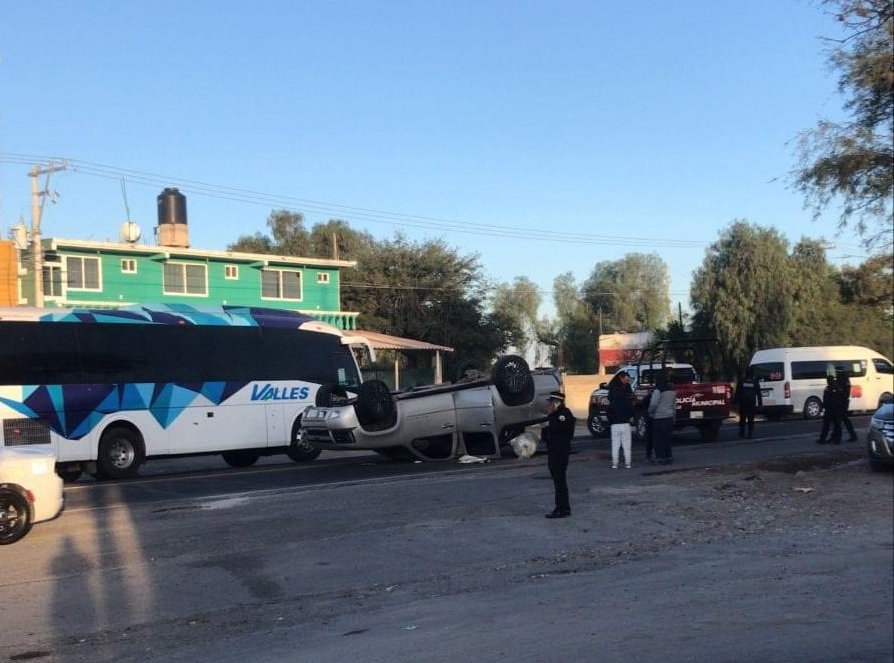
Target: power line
column 248, row 196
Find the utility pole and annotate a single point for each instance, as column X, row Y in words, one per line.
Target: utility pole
column 38, row 198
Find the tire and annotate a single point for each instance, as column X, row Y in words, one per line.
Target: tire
column 69, row 473
column 813, row 408
column 120, row 454
column 709, row 430
column 300, row 450
column 240, row 457
column 15, row 516
column 507, row 434
column 329, row 395
column 512, row 377
column 374, row 404
column 640, row 426
column 597, row 427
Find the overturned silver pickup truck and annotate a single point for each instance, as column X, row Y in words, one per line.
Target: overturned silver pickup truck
column 474, row 415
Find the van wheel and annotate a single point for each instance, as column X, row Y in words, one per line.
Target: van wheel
column 300, row 449
column 374, row 403
column 240, row 457
column 15, row 516
column 813, row 408
column 120, row 454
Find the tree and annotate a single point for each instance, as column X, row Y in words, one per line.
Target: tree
column 631, row 294
column 288, row 236
column 577, row 332
column 742, row 292
column 517, row 303
column 854, row 160
column 816, row 309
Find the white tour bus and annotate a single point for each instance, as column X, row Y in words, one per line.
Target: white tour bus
column 107, row 389
column 792, row 379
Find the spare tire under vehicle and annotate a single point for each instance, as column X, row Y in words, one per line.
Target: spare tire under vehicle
column 374, row 404
column 512, row 378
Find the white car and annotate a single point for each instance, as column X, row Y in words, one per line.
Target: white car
column 30, row 490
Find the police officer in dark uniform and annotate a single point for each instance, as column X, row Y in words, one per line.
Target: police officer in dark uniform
column 832, row 403
column 748, row 399
column 558, row 432
column 844, row 383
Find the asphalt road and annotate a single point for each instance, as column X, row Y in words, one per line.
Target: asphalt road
column 356, row 558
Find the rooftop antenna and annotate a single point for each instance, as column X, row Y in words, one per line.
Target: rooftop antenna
column 126, row 206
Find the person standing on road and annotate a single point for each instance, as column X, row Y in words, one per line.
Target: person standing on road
column 620, row 412
column 831, row 412
column 748, row 399
column 662, row 411
column 844, row 383
column 558, row 432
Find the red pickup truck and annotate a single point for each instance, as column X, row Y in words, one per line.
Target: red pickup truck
column 704, row 405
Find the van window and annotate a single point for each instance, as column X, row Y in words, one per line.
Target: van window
column 771, row 371
column 883, row 367
column 818, row 370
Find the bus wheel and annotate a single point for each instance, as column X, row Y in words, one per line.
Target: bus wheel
column 240, row 458
column 69, row 472
column 374, row 403
column 15, row 516
column 120, row 454
column 300, row 450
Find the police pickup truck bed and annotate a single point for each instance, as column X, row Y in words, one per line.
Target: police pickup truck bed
column 704, row 405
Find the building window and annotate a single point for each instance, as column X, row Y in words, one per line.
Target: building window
column 323, row 277
column 128, row 266
column 280, row 284
column 83, row 273
column 231, row 272
column 52, row 281
column 185, row 279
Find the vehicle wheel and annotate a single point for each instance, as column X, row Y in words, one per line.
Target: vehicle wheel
column 640, row 426
column 709, row 430
column 240, row 457
column 397, row 454
column 301, row 450
column 69, row 472
column 507, row 434
column 511, row 376
column 597, row 426
column 374, row 403
column 329, row 395
column 15, row 516
column 813, row 408
column 120, row 454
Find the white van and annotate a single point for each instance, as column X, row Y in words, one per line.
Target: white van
column 792, row 379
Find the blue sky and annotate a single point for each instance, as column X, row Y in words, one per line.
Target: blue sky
column 544, row 136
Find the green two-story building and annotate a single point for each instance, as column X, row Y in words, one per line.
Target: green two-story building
column 113, row 274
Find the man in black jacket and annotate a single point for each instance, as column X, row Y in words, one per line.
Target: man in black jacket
column 558, row 433
column 832, row 403
column 748, row 399
column 844, row 383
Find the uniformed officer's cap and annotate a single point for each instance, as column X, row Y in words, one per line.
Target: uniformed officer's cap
column 556, row 396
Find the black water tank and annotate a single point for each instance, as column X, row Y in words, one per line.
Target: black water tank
column 171, row 206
